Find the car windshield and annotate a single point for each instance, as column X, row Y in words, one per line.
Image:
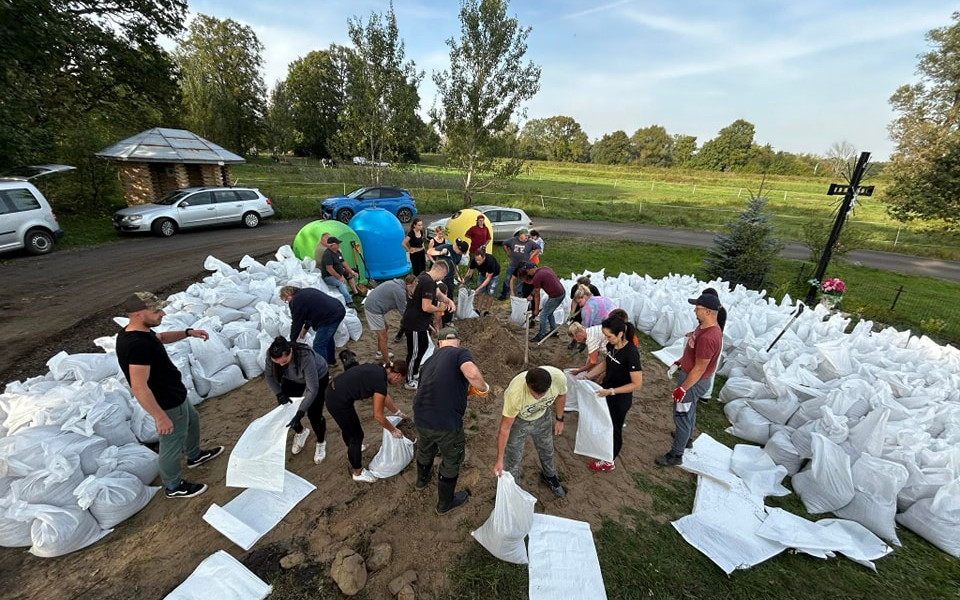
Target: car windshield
column 171, row 197
column 355, row 193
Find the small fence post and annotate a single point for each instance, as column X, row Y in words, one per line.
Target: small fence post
column 640, row 210
column 740, row 193
column 344, row 188
column 897, row 297
column 784, row 196
column 694, row 189
column 615, row 182
column 651, row 186
column 897, row 239
column 542, row 205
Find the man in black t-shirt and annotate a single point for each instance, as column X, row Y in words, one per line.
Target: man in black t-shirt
column 425, row 302
column 438, row 409
column 488, row 270
column 157, row 385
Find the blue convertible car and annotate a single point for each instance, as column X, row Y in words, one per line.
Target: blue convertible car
column 397, row 201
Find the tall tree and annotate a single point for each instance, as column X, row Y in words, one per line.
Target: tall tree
column 279, row 125
column 841, row 158
column 317, row 86
column 612, row 149
column 223, row 90
column 654, row 147
column 485, row 87
column 684, row 149
column 557, row 138
column 380, row 116
column 745, row 253
column 927, row 134
column 730, row 150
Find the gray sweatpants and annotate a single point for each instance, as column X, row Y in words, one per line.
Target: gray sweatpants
column 541, row 432
column 685, row 413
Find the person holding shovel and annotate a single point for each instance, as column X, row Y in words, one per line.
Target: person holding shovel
column 543, row 278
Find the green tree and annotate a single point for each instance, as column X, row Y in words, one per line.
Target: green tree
column 654, row 147
column 484, row 88
column 223, row 91
column 684, row 150
column 612, row 149
column 317, row 88
column 746, row 252
column 927, row 134
column 279, row 125
column 730, row 150
column 379, row 118
column 557, row 138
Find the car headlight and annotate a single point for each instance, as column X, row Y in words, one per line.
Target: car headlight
column 131, row 219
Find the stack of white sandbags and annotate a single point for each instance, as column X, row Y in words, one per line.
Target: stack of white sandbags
column 71, row 461
column 868, row 423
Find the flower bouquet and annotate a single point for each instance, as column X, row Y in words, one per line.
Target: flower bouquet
column 833, row 290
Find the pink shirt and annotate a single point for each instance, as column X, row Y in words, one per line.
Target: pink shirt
column 702, row 343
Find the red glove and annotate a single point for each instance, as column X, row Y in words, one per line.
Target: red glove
column 678, row 394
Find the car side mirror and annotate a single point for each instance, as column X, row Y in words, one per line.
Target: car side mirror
column 184, row 204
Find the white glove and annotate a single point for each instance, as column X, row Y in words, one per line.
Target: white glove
column 673, row 369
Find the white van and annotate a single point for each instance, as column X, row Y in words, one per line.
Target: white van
column 26, row 219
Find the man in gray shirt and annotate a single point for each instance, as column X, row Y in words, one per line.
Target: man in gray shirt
column 520, row 249
column 389, row 295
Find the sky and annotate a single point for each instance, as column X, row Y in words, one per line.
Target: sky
column 807, row 74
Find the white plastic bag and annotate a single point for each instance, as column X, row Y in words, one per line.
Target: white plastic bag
column 503, row 532
column 827, row 484
column 57, row 531
column 257, row 461
column 518, row 310
column 114, row 497
column 394, row 455
column 223, row 577
column 877, row 483
column 53, row 484
column 594, row 425
column 135, row 459
column 15, row 522
column 937, row 519
column 465, row 298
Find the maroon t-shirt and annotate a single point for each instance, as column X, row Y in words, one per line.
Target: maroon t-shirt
column 479, row 236
column 546, row 279
column 702, row 343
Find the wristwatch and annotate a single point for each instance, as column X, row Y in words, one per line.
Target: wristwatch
column 560, row 418
column 186, row 332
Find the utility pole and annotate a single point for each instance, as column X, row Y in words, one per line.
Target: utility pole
column 850, row 194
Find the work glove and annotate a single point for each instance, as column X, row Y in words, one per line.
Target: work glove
column 296, row 419
column 283, row 399
column 678, row 394
column 472, row 391
column 400, row 414
column 396, row 433
column 673, row 369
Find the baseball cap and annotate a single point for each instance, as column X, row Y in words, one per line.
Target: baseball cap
column 143, row 301
column 527, row 266
column 462, row 245
column 707, row 301
column 332, row 240
column 524, row 231
column 448, row 333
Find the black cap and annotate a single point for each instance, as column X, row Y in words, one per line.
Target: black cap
column 707, row 301
column 332, row 240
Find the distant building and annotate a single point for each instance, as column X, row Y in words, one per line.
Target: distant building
column 160, row 160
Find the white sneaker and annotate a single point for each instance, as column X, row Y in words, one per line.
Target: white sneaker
column 299, row 440
column 411, row 385
column 320, row 453
column 380, row 354
column 363, row 447
column 365, row 476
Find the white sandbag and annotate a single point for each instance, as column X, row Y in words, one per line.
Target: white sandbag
column 257, row 460
column 20, row 453
column 662, row 330
column 868, row 434
column 758, row 471
column 563, row 559
column 135, row 459
column 114, row 497
column 776, row 410
column 750, row 425
column 827, row 483
column 110, row 422
column 15, row 522
column 518, row 310
column 225, row 314
column 512, row 517
column 924, row 482
column 340, row 337
column 200, row 382
column 937, row 519
column 57, row 531
column 737, row 388
column 143, row 425
column 223, row 577
column 225, row 380
column 211, row 355
column 573, row 392
column 782, row 451
column 250, row 363
column 877, row 483
column 353, row 324
column 53, row 484
column 594, row 424
column 273, row 319
column 248, row 339
column 394, row 454
column 87, row 448
column 83, row 367
column 465, row 298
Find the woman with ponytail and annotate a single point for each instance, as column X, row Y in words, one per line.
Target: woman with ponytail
column 292, row 370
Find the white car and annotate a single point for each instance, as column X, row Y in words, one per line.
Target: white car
column 363, row 162
column 504, row 220
column 26, row 219
column 195, row 207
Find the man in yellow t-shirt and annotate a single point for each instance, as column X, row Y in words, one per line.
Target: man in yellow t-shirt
column 532, row 406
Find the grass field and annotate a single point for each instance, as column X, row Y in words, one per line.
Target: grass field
column 641, row 554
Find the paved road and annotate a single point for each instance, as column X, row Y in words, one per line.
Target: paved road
column 43, row 297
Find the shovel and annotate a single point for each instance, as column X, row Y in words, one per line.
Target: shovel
column 796, row 314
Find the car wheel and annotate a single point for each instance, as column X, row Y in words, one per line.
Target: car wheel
column 405, row 215
column 344, row 215
column 251, row 220
column 164, row 228
column 38, row 242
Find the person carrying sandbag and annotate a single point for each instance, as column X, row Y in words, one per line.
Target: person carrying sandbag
column 296, row 370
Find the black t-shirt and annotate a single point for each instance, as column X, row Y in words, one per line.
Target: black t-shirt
column 358, row 383
column 489, row 265
column 441, row 398
column 620, row 364
column 144, row 348
column 414, row 319
column 415, row 242
column 333, row 259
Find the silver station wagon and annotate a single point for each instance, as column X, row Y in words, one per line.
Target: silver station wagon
column 195, row 207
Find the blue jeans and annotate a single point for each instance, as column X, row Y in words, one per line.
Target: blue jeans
column 491, row 288
column 546, row 314
column 323, row 342
column 184, row 439
column 506, row 280
column 340, row 285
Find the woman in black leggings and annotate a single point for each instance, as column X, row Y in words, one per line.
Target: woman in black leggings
column 359, row 383
column 622, row 375
column 294, row 370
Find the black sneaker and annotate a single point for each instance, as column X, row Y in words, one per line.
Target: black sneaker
column 554, row 484
column 673, row 434
column 187, row 490
column 203, row 457
column 669, row 460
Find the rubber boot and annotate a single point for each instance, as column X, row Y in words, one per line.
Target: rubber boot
column 424, row 475
column 448, row 500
